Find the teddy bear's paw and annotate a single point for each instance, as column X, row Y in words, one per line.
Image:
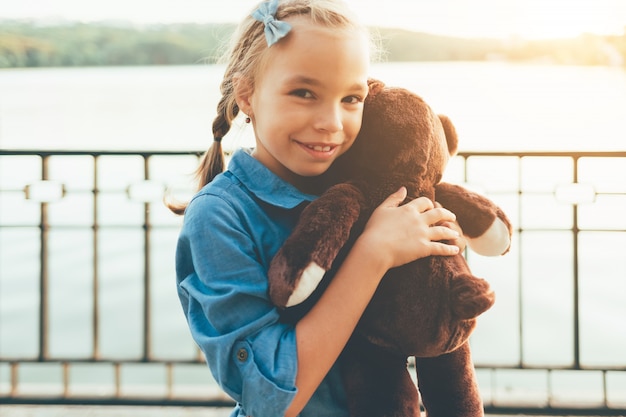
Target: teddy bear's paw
column 308, row 282
column 495, row 241
column 471, row 296
column 290, row 284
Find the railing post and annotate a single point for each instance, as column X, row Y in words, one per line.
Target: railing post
column 520, row 264
column 576, row 267
column 147, row 335
column 43, row 268
column 96, row 265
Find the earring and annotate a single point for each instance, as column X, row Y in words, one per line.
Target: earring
column 247, row 119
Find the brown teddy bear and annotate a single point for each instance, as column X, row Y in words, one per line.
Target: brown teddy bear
column 426, row 309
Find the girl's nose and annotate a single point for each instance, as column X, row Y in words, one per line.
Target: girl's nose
column 329, row 119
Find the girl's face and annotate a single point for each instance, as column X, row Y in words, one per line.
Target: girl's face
column 307, row 103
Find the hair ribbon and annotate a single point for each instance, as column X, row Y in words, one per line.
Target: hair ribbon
column 274, row 29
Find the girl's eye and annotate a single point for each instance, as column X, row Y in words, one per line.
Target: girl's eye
column 352, row 99
column 302, row 93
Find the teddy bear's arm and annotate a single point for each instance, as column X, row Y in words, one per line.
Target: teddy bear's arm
column 322, row 230
column 485, row 225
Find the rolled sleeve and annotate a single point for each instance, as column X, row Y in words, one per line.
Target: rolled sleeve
column 222, row 261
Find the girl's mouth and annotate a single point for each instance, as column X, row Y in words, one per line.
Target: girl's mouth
column 319, row 148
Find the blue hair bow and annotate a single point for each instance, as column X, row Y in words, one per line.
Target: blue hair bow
column 274, row 29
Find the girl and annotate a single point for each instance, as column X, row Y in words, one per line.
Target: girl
column 298, row 70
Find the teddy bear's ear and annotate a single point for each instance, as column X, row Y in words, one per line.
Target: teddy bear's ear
column 375, row 86
column 451, row 137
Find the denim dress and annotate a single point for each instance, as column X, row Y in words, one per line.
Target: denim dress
column 232, row 228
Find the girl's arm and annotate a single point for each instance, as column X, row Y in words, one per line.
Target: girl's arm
column 394, row 235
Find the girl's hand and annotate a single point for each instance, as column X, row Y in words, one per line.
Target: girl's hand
column 401, row 234
column 460, row 242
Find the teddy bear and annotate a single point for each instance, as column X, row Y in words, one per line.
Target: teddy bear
column 426, row 309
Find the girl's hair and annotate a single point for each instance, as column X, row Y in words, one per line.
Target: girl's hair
column 245, row 58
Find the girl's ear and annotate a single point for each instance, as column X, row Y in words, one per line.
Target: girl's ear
column 242, row 87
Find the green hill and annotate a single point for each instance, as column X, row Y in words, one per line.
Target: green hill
column 33, row 44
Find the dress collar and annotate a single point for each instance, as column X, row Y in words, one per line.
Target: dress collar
column 263, row 183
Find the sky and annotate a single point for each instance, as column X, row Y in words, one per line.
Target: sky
column 530, row 19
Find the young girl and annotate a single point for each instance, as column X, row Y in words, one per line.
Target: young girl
column 298, row 71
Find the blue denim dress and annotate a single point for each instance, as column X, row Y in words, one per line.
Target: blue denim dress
column 231, row 230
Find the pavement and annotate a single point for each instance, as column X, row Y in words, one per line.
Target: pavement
column 118, row 411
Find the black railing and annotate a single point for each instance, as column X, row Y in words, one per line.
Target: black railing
column 89, row 315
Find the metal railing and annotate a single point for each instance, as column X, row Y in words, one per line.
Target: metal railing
column 89, row 315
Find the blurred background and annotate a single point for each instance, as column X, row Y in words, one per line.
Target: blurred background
column 105, row 106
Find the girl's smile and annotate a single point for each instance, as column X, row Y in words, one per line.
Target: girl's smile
column 320, row 150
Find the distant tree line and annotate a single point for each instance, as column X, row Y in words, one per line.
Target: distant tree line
column 32, row 44
column 79, row 44
column 586, row 49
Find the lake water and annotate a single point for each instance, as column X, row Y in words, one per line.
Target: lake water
column 495, row 107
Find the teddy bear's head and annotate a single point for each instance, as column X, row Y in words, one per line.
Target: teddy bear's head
column 402, row 136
